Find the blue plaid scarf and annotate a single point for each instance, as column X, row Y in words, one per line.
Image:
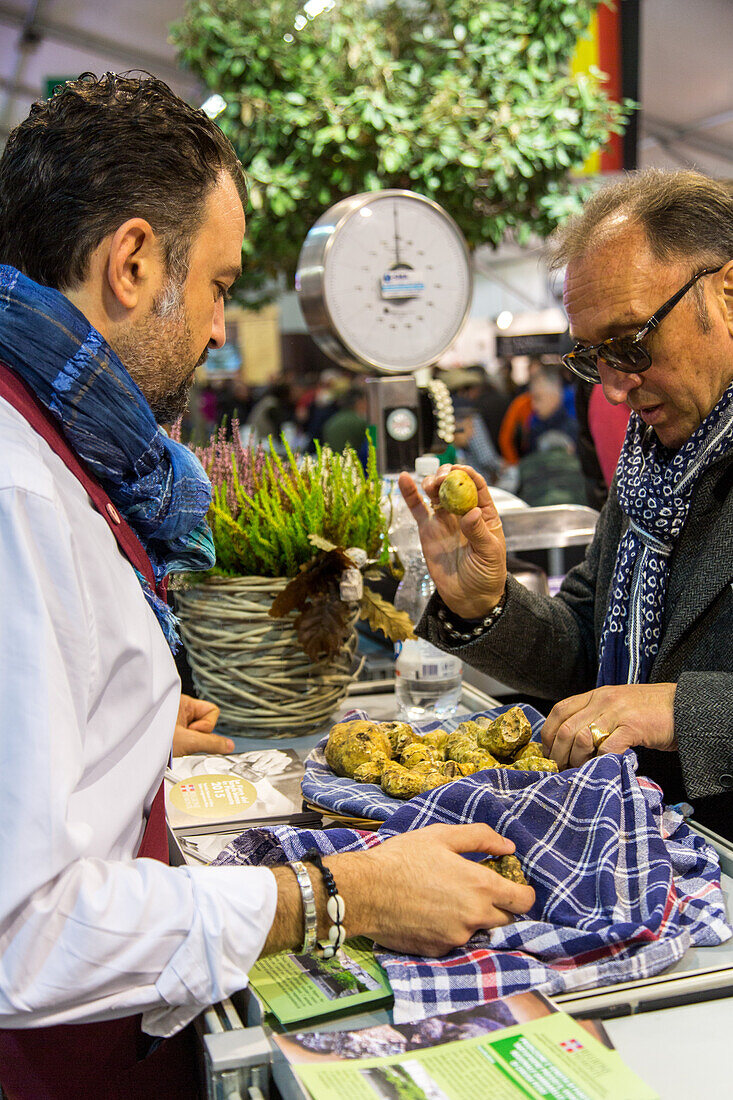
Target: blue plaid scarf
column 159, row 486
column 655, row 487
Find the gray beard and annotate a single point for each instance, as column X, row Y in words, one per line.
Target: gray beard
column 168, row 407
column 165, row 328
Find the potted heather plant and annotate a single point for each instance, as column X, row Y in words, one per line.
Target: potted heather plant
column 270, row 630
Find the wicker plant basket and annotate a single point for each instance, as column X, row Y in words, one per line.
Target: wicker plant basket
column 252, row 666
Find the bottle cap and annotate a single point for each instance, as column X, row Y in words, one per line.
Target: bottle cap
column 426, row 465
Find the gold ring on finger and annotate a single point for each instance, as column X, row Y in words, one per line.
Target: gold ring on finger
column 598, row 735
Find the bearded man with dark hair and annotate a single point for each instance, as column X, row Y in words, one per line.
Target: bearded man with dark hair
column 121, row 230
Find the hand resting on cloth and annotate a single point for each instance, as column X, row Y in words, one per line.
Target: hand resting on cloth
column 623, row 887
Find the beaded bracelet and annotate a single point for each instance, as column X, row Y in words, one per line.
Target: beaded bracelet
column 452, row 630
column 310, row 916
column 335, row 906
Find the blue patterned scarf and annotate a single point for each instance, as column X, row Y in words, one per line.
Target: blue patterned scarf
column 655, row 487
column 158, row 485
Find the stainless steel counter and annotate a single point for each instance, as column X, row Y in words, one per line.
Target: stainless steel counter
column 555, row 526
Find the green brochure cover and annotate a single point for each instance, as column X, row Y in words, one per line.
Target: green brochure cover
column 549, row 1058
column 298, row 988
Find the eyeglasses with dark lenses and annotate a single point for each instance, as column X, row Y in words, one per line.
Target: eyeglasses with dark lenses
column 626, row 353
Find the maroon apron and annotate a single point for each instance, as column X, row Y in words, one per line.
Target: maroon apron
column 111, row 1060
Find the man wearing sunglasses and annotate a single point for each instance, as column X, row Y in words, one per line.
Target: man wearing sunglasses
column 637, row 645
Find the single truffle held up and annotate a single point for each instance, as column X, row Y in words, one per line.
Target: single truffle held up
column 458, row 493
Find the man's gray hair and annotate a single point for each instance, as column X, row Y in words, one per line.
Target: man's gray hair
column 684, row 215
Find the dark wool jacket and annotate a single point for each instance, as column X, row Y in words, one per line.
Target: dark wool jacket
column 549, row 646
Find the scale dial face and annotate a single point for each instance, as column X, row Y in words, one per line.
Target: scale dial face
column 395, row 281
column 401, row 424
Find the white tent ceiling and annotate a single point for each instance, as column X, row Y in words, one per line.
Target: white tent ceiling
column 686, row 85
column 686, row 78
column 62, row 38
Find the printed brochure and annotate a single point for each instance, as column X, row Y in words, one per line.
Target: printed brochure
column 260, row 787
column 519, row 1048
column 300, row 988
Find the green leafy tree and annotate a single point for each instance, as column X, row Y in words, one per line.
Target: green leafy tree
column 470, row 104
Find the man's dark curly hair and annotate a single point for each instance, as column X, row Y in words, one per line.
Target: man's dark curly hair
column 98, row 152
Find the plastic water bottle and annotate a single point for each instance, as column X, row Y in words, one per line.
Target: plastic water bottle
column 427, row 681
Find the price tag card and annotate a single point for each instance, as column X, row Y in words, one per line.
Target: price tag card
column 402, row 283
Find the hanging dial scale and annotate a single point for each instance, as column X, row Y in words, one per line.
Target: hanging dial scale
column 384, row 280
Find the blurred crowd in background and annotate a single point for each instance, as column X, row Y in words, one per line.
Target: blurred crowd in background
column 549, row 439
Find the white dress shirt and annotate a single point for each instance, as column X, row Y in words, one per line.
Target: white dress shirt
column 88, row 699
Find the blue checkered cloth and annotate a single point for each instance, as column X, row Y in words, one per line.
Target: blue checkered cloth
column 623, row 886
column 346, row 798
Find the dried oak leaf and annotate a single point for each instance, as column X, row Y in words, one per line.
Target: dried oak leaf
column 384, row 616
column 323, row 627
column 321, row 543
column 316, row 577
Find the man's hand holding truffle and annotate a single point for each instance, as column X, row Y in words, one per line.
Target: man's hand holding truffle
column 465, row 554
